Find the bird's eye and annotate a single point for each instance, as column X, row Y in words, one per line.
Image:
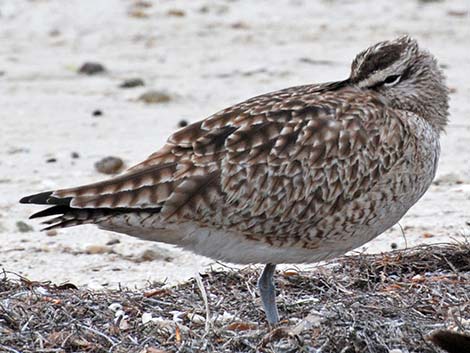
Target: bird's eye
column 391, row 80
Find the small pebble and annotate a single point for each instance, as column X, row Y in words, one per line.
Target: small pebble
column 149, row 255
column 109, row 165
column 176, row 13
column 153, row 97
column 51, row 232
column 152, row 255
column 138, row 14
column 182, row 123
column 54, row 33
column 75, row 155
column 113, row 242
column 457, row 13
column 91, row 68
column 143, row 4
column 15, row 150
column 239, row 25
column 97, row 112
column 23, row 227
column 96, row 249
column 51, row 160
column 132, row 82
column 394, row 245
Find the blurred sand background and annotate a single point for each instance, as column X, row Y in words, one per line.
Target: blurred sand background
column 205, row 55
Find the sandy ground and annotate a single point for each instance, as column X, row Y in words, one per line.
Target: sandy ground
column 206, row 55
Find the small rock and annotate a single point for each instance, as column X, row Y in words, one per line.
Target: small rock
column 23, row 227
column 138, row 14
column 239, row 25
column 75, row 155
column 149, row 255
column 113, row 242
column 96, row 249
column 214, row 7
column 143, row 4
column 457, row 13
column 153, row 97
column 315, row 62
column 51, row 232
column 97, row 112
column 91, row 68
column 51, row 160
column 15, row 150
column 182, row 123
column 132, row 82
column 152, row 255
column 109, row 165
column 54, row 33
column 394, row 246
column 176, row 13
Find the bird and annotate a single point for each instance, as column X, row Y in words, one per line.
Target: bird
column 299, row 175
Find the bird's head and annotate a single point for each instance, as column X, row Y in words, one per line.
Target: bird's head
column 408, row 78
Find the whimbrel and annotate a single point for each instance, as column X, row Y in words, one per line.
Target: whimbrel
column 299, row 175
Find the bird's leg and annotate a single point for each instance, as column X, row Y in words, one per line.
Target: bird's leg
column 268, row 294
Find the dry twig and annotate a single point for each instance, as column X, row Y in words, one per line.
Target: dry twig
column 360, row 303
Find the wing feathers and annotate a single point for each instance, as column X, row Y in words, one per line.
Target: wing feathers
column 291, row 155
column 129, row 181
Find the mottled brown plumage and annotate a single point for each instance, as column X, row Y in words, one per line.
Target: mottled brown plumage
column 298, row 175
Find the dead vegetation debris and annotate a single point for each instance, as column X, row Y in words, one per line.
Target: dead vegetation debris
column 361, row 303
